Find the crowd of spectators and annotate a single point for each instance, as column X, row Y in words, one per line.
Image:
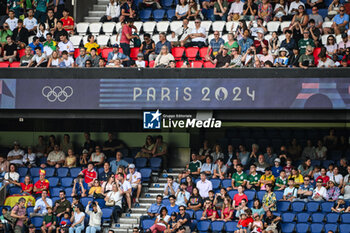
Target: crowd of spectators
column 304, row 42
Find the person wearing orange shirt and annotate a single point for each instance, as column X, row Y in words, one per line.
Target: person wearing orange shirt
column 41, row 184
column 68, row 22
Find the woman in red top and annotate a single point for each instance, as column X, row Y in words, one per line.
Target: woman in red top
column 209, row 212
column 323, row 177
column 227, row 210
column 237, row 199
column 27, row 186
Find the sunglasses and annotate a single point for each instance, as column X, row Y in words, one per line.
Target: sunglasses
column 196, row 22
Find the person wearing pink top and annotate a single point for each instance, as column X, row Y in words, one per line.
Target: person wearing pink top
column 127, row 36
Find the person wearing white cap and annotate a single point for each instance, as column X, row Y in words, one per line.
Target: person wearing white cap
column 277, row 168
column 282, row 59
column 134, row 177
column 260, row 42
column 140, row 62
column 16, row 155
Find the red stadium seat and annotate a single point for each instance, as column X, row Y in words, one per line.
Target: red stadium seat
column 316, row 53
column 208, row 64
column 151, row 64
column 178, row 52
column 197, row 64
column 191, row 53
column 15, row 64
column 105, row 52
column 134, row 52
column 203, row 52
column 179, row 64
column 76, row 52
column 4, row 64
column 146, row 63
column 21, row 52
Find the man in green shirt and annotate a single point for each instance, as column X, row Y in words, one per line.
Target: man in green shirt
column 49, row 221
column 303, row 43
column 307, row 60
column 4, row 32
column 253, row 178
column 239, row 178
column 40, row 12
column 193, row 168
column 50, row 45
column 281, row 181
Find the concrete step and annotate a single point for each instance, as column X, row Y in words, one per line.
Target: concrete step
column 118, row 230
column 133, row 215
column 158, row 185
column 145, row 205
column 90, row 19
column 97, row 13
column 139, row 210
column 119, row 226
column 127, row 220
column 103, row 2
column 99, row 7
column 153, row 190
column 154, row 195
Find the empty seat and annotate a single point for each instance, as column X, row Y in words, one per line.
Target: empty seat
column 62, row 171
column 303, row 217
column 175, row 25
column 208, row 64
column 146, row 174
column 53, row 181
column 74, row 171
column 158, row 14
column 170, row 14
column 155, row 163
column 102, row 40
column 302, row 227
column 260, row 195
column 330, row 227
column 288, row 227
column 22, row 171
column 15, row 64
column 134, row 52
column 345, row 218
column 203, row 226
column 140, row 162
column 106, row 214
column 344, row 228
column 108, row 28
column 288, row 217
column 163, row 26
column 317, row 217
column 50, row 171
column 218, row 26
column 85, row 200
column 82, row 28
column 298, row 206
column 312, row 206
column 326, row 206
column 145, row 15
column 273, row 26
column 197, row 64
column 283, row 206
column 95, row 28
column 37, row 222
column 332, row 218
column 148, row 27
column 147, row 223
column 66, row 181
column 216, row 183
column 217, row 226
column 76, row 39
column 191, row 52
column 34, row 171
column 316, row 227
column 14, row 190
column 231, row 26
column 230, row 227
column 55, row 192
column 285, row 24
column 205, row 24
column 178, row 52
column 198, row 214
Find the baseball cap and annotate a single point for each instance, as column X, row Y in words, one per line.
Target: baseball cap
column 15, row 143
column 139, row 55
column 115, row 46
column 277, row 160
column 85, row 151
column 131, row 165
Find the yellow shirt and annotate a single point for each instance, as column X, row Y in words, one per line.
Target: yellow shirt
column 96, row 190
column 89, row 46
column 297, row 179
column 264, row 177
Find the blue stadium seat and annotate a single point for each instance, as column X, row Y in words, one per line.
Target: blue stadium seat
column 35, row 179
column 146, row 174
column 217, row 226
column 315, row 163
column 85, row 200
column 332, row 217
column 193, row 224
column 232, row 193
column 303, row 217
column 37, row 222
column 198, row 214
column 260, row 195
column 345, row 218
column 344, row 228
column 166, row 4
column 298, row 206
column 53, row 181
column 62, row 172
column 203, row 226
column 312, row 206
column 326, row 163
column 283, row 206
column 190, row 212
column 230, row 227
column 128, row 159
column 34, row 171
column 55, row 192
column 22, row 171
column 317, row 217
column 43, row 160
column 30, row 209
column 21, row 179
column 74, row 171
column 226, row 183
column 170, row 14
column 100, row 170
column 66, row 181
column 68, row 192
column 330, row 227
column 158, row 14
column 14, row 190
column 134, row 151
column 101, row 202
column 316, row 227
column 106, row 214
column 147, row 223
column 50, row 171
column 279, row 195
column 326, row 206
column 70, row 199
column 145, row 15
column 323, row 12
column 250, row 194
column 155, row 163
column 216, row 183
column 288, row 217
column 54, row 199
column 140, row 162
column 302, row 227
column 288, row 227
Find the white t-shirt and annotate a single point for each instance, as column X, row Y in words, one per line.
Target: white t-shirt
column 48, row 50
column 322, row 194
column 200, row 30
column 181, row 10
column 183, row 32
column 97, row 158
column 116, row 197
column 69, row 62
column 236, row 8
column 12, row 23
column 77, row 217
column 134, row 177
column 30, row 23
column 31, row 158
column 326, row 64
column 336, row 178
column 13, row 153
column 295, row 5
column 125, row 186
column 13, row 175
column 37, row 59
column 66, row 46
column 166, row 219
column 140, row 63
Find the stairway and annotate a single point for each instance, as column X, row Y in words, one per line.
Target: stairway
column 148, row 196
column 97, row 11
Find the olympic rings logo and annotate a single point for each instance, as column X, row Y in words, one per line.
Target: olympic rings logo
column 57, row 93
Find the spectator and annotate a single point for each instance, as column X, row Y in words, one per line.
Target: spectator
column 36, row 43
column 204, row 151
column 60, row 31
column 204, row 185
column 237, row 198
column 290, row 192
column 172, row 224
column 95, row 219
column 309, row 151
column 209, row 212
column 49, row 46
column 51, row 21
column 172, row 207
column 82, row 58
column 125, row 189
column 207, row 7
column 98, row 157
column 148, row 46
column 103, row 176
column 194, row 10
column 65, row 45
column 277, row 168
column 108, row 184
column 339, row 205
column 239, row 178
column 171, row 187
column 54, row 60
column 307, row 60
column 161, row 222
column 70, row 160
column 265, row 10
column 161, row 149
column 195, row 200
column 321, row 151
column 64, row 223
column 271, row 222
column 294, row 58
column 114, row 55
column 115, row 198
column 183, row 219
column 84, row 158
column 250, row 10
column 91, row 44
column 325, row 62
column 215, row 46
column 29, row 158
column 331, row 45
column 4, row 165
column 222, row 60
column 281, row 181
column 112, row 12
column 340, row 23
column 274, row 44
column 305, row 190
column 182, row 196
column 253, row 178
column 236, row 58
column 129, row 12
column 49, row 221
column 27, row 57
column 220, row 10
column 89, row 174
column 15, row 156
column 62, row 205
column 30, row 23
column 333, row 9
column 269, row 200
column 190, row 185
column 193, row 168
column 112, row 144
column 134, row 177
column 127, row 35
column 40, row 10
column 10, row 51
column 306, row 169
column 298, row 178
column 236, row 11
column 42, row 204
column 154, row 210
column 118, row 162
column 19, row 212
column 261, row 165
column 12, row 175
column 42, row 184
column 320, row 192
column 140, row 62
column 95, row 190
column 316, row 17
column 152, row 4
column 56, row 157
column 333, row 191
column 67, row 21
column 76, row 203
column 260, row 43
column 77, row 220
column 220, row 169
column 244, row 44
column 227, row 210
column 323, row 176
column 257, row 208
column 197, row 35
column 181, row 11
column 280, row 10
column 243, row 223
column 101, row 63
column 95, row 59
column 336, row 177
column 12, row 21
